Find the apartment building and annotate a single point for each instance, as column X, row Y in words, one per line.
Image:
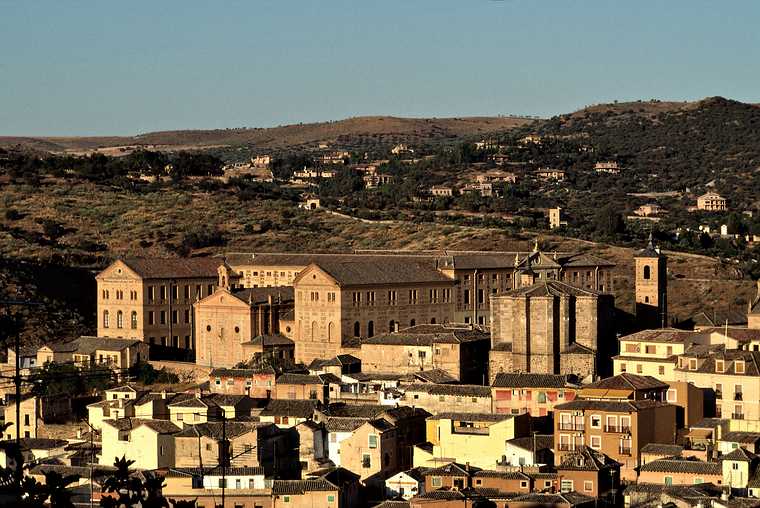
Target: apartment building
column 535, row 394
column 477, row 438
column 654, row 352
column 617, row 416
column 117, row 354
column 711, row 202
column 150, row 299
column 438, row 398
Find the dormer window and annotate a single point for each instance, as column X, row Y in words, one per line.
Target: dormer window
column 720, row 366
column 692, row 364
column 739, row 366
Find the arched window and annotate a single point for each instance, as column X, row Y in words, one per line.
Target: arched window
column 647, row 272
column 392, row 326
column 133, row 320
column 119, row 319
column 370, row 329
column 330, row 332
column 313, row 330
column 357, row 330
column 412, row 322
column 105, row 319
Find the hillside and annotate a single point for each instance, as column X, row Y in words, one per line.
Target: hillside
column 385, row 129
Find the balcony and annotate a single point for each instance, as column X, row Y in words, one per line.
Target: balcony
column 617, row 429
column 718, row 394
column 738, row 396
column 625, row 450
column 737, row 416
column 571, row 426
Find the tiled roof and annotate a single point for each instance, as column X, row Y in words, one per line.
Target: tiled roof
column 688, row 465
column 661, row 335
column 729, row 356
column 622, row 406
column 549, row 288
column 452, row 469
column 471, row 417
column 547, row 499
column 426, row 335
column 740, row 454
column 541, row 442
column 450, row 389
column 393, row 504
column 241, row 373
column 366, row 411
column 375, row 272
column 168, row 268
column 506, row 475
column 270, row 340
column 627, row 381
column 217, row 430
column 737, row 333
column 530, row 380
column 740, row 437
column 668, row 450
column 299, row 408
column 718, row 318
column 122, row 389
column 177, row 472
column 437, row 376
column 298, row 379
column 254, row 296
column 586, row 459
column 344, row 424
column 88, row 345
column 40, row 443
column 295, row 487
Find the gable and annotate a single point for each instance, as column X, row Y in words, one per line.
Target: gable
column 118, row 270
column 313, row 275
column 223, row 297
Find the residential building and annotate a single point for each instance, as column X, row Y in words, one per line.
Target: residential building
column 550, row 174
column 406, row 484
column 555, row 218
column 149, row 443
column 535, row 394
column 617, row 416
column 438, row 398
column 589, row 472
column 459, row 350
column 286, row 413
column 654, row 352
column 441, row 191
column 711, row 202
column 477, row 438
column 150, row 299
column 648, row 210
column 533, row 450
column 256, row 383
column 680, row 471
column 118, row 354
column 753, row 312
column 322, row 387
column 609, row 167
column 29, row 412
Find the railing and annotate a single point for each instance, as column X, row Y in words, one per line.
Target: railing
column 619, row 429
column 624, row 451
column 737, row 416
column 718, row 394
column 571, row 426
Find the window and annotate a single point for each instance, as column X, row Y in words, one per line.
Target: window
column 651, row 350
column 718, row 391
column 566, row 486
column 720, row 366
column 413, row 296
column 596, row 442
column 366, row 461
column 698, row 480
column 639, row 368
column 163, row 317
column 133, row 320
column 371, row 329
column 356, row 298
column 588, row 486
column 187, row 315
column 392, row 297
column 739, row 366
column 647, row 272
column 668, row 481
column 523, row 485
column 596, row 421
column 222, row 483
column 218, row 381
column 151, row 318
column 331, row 498
column 692, row 364
column 622, row 367
column 105, row 319
column 370, row 298
column 357, row 330
column 331, row 297
column 372, row 441
column 436, row 481
column 175, row 317
column 466, row 296
column 187, row 292
column 670, row 395
column 286, row 499
column 162, row 292
column 661, row 370
column 26, row 420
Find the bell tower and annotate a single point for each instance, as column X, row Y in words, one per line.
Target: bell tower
column 651, row 287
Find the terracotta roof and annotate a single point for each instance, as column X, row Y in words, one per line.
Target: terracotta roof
column 343, row 424
column 295, row 487
column 88, row 345
column 449, row 389
column 541, row 442
column 366, row 411
column 39, row 443
column 626, row 381
column 717, row 318
column 471, row 417
column 169, row 268
column 531, row 380
column 279, row 294
column 688, row 465
column 506, row 475
column 547, row 499
column 374, row 272
column 438, row 376
column 740, row 454
column 667, row 450
column 452, row 469
column 299, row 408
column 425, row 335
column 621, row 406
column 269, row 340
column 298, row 379
column 178, row 472
column 216, row 430
column 661, row 335
column 393, row 504
column 241, row 373
column 586, row 459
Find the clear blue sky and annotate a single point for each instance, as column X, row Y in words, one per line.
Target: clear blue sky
column 106, row 67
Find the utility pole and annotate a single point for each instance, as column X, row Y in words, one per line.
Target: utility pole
column 224, row 455
column 17, row 377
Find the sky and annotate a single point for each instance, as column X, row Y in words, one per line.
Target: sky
column 121, row 68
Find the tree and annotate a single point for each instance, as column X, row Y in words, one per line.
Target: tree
column 609, row 222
